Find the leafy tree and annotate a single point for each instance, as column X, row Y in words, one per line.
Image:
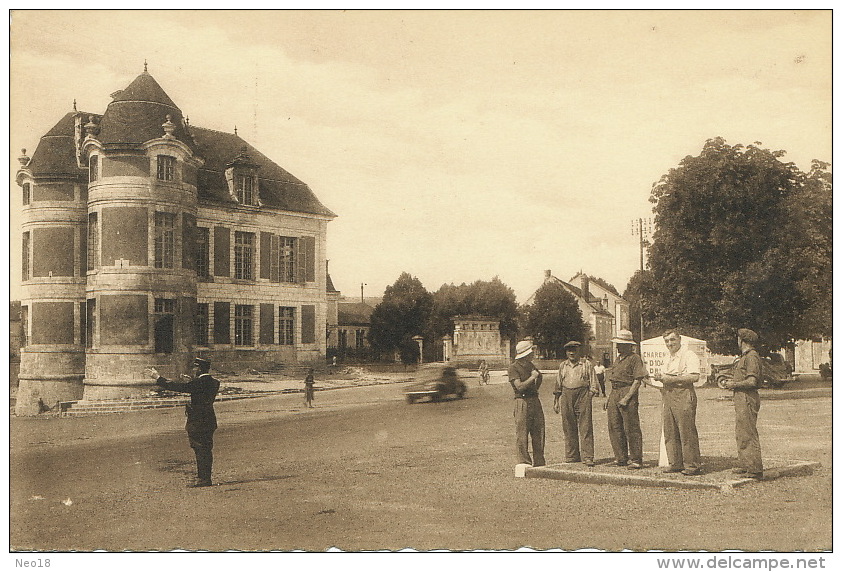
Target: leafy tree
column 403, row 313
column 554, row 318
column 485, row 298
column 812, row 210
column 735, row 245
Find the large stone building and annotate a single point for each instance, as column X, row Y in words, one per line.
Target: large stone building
column 147, row 240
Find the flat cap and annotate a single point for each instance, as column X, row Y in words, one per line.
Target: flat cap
column 572, row 344
column 747, row 335
column 201, row 362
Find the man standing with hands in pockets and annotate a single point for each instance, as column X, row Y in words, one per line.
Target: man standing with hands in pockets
column 574, row 390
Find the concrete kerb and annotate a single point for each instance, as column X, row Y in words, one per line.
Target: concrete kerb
column 722, row 481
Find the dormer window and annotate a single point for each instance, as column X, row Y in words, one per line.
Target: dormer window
column 245, row 190
column 166, row 168
column 26, row 193
column 93, row 168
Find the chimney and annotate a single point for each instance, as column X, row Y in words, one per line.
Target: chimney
column 548, row 275
column 586, row 287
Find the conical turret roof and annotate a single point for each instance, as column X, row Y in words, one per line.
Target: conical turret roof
column 137, row 114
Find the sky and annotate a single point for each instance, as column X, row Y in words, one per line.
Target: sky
column 456, row 146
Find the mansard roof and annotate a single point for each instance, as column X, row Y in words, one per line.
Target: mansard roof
column 137, row 114
column 278, row 188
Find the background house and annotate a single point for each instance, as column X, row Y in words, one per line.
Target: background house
column 603, row 309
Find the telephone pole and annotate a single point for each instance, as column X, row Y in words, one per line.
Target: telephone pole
column 642, row 228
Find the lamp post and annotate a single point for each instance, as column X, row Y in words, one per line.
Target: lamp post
column 642, row 228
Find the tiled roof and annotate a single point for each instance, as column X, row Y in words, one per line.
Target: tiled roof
column 330, row 287
column 137, row 114
column 56, row 151
column 278, row 188
column 354, row 314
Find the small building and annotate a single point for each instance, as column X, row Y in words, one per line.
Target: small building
column 349, row 334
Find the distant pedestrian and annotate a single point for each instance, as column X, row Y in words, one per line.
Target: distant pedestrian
column 746, row 380
column 309, row 391
column 599, row 372
column 201, row 418
column 483, row 373
column 574, row 390
column 529, row 415
column 623, row 419
column 681, row 371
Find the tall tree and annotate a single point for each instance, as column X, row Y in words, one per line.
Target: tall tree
column 403, row 313
column 812, row 210
column 484, row 298
column 554, row 319
column 728, row 247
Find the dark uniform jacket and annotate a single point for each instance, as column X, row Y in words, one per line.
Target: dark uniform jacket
column 747, row 371
column 202, row 390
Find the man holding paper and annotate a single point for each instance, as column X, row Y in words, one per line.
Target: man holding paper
column 678, row 375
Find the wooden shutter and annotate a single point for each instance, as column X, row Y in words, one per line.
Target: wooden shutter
column 221, row 323
column 300, row 260
column 310, row 247
column 221, row 251
column 308, row 324
column 267, row 324
column 265, row 254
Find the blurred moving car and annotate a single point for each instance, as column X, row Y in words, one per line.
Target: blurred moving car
column 436, row 381
column 775, row 372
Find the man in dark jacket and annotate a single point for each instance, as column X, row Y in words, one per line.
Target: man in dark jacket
column 201, row 419
column 746, row 380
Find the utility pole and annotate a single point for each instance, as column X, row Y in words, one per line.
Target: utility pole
column 642, row 228
column 362, row 292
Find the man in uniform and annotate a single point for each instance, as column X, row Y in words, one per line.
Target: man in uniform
column 746, row 380
column 574, row 390
column 679, row 374
column 529, row 415
column 201, row 418
column 623, row 420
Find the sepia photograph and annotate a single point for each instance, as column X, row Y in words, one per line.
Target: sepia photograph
column 414, row 281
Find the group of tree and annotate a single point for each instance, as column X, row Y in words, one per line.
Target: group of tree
column 742, row 239
column 408, row 310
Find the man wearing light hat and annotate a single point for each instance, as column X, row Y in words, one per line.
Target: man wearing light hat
column 201, row 418
column 529, row 415
column 623, row 420
column 746, row 380
column 575, row 387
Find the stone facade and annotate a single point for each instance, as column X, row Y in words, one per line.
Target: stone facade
column 476, row 338
column 147, row 241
